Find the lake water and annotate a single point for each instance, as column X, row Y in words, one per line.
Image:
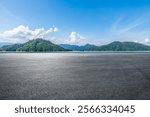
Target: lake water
column 75, row 76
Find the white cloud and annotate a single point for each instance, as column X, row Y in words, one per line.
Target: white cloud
column 75, row 38
column 146, row 40
column 136, row 41
column 24, row 33
column 53, row 29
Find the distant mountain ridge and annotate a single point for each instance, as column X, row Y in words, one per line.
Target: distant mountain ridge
column 41, row 45
column 4, row 43
column 87, row 47
column 114, row 46
column 35, row 45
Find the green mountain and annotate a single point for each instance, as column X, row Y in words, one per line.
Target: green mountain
column 114, row 46
column 36, row 45
column 124, row 46
column 87, row 47
column 13, row 47
column 40, row 45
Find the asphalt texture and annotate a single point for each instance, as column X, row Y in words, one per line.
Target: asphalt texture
column 75, row 76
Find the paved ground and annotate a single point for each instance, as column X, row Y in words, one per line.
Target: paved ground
column 75, row 76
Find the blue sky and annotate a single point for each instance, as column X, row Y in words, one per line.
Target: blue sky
column 75, row 21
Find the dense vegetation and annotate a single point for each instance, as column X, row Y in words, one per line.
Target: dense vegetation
column 13, row 47
column 124, row 46
column 114, row 46
column 87, row 47
column 36, row 45
column 40, row 45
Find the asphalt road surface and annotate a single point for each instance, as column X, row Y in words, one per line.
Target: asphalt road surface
column 85, row 76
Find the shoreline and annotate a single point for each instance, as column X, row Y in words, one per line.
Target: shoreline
column 78, row 52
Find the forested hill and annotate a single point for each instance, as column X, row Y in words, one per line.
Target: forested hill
column 34, row 46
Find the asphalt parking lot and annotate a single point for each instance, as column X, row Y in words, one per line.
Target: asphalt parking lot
column 74, row 76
